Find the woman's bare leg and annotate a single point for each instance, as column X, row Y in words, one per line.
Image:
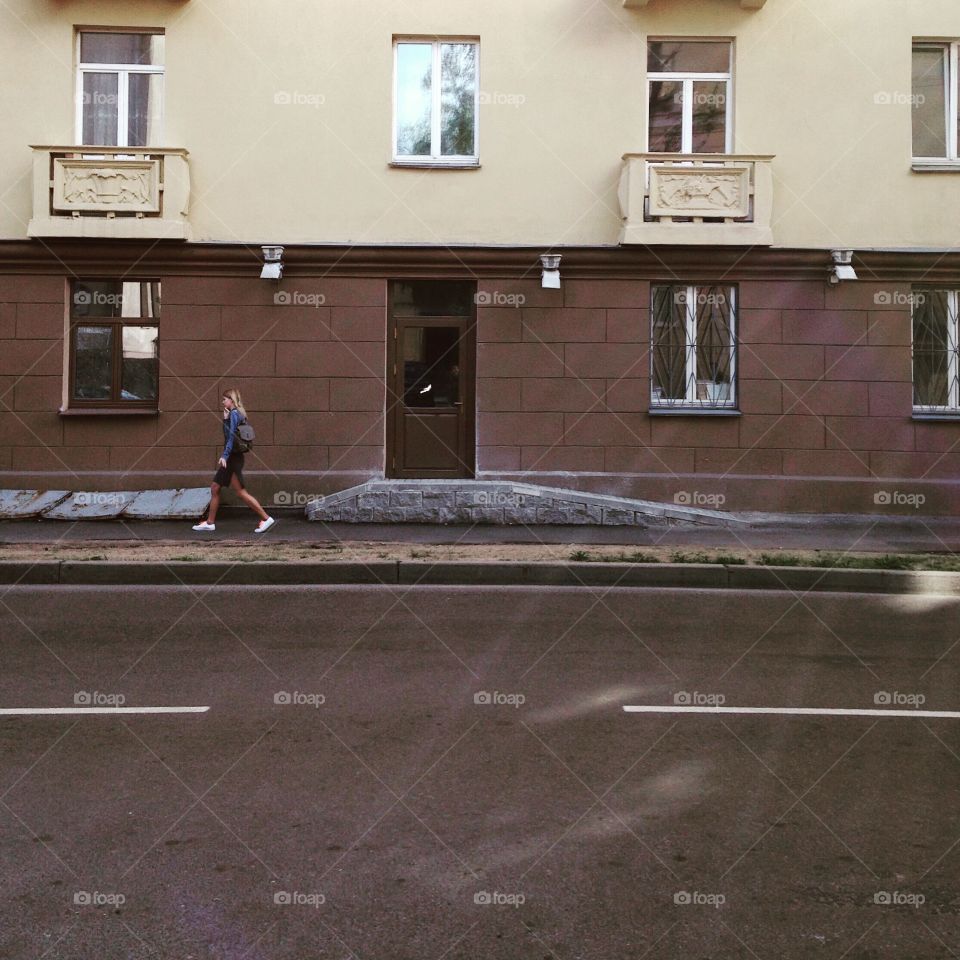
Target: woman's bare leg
column 214, row 502
column 247, row 498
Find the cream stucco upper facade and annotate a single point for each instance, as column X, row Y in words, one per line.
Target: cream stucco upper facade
column 285, row 108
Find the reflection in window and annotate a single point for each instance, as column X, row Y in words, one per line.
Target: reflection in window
column 935, row 114
column 936, row 356
column 434, row 298
column 138, row 375
column 120, row 88
column 114, row 333
column 431, row 366
column 693, row 346
column 93, row 359
column 688, row 98
column 436, row 97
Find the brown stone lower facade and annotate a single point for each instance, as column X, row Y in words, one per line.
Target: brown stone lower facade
column 823, row 422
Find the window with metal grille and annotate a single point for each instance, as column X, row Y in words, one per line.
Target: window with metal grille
column 936, row 355
column 693, row 347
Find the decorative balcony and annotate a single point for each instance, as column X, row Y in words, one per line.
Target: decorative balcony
column 136, row 193
column 702, row 198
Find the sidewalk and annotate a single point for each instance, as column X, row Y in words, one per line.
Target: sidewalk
column 863, row 534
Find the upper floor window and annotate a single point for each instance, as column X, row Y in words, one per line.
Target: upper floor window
column 436, row 95
column 689, row 83
column 119, row 88
column 936, row 92
column 936, row 355
column 693, row 347
column 114, row 327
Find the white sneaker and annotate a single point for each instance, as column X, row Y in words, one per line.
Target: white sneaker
column 203, row 526
column 264, row 525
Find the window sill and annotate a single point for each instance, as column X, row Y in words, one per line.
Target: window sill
column 107, row 412
column 434, row 165
column 935, row 166
column 953, row 417
column 693, row 412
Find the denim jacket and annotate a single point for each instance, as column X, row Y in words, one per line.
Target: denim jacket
column 229, row 432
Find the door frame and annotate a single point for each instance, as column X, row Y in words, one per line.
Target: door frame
column 467, row 382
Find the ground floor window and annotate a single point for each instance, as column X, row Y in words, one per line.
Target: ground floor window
column 693, row 347
column 936, row 355
column 114, row 329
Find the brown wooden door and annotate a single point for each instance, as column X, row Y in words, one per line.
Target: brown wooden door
column 431, row 401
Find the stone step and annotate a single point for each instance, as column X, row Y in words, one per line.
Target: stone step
column 499, row 502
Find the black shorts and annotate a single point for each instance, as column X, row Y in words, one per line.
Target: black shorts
column 234, row 468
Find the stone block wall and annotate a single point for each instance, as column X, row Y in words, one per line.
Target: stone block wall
column 824, row 388
column 307, row 355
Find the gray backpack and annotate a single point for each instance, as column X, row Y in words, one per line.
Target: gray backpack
column 244, row 437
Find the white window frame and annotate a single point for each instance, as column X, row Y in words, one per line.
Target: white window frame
column 952, row 106
column 952, row 407
column 688, row 79
column 690, row 402
column 436, row 87
column 123, row 71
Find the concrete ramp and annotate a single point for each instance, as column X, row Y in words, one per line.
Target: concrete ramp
column 484, row 501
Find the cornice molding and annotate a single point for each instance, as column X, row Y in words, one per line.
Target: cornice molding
column 87, row 257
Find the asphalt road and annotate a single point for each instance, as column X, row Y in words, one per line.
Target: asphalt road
column 382, row 812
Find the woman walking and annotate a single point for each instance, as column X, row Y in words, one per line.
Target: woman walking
column 230, row 468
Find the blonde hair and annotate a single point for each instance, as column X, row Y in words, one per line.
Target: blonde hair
column 234, row 395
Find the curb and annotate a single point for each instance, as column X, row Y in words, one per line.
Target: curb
column 470, row 573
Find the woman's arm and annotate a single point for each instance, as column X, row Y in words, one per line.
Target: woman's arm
column 231, row 433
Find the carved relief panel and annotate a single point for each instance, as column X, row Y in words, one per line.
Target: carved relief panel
column 106, row 185
column 699, row 191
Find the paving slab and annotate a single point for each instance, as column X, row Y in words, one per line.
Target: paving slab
column 183, row 504
column 24, row 504
column 91, row 506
